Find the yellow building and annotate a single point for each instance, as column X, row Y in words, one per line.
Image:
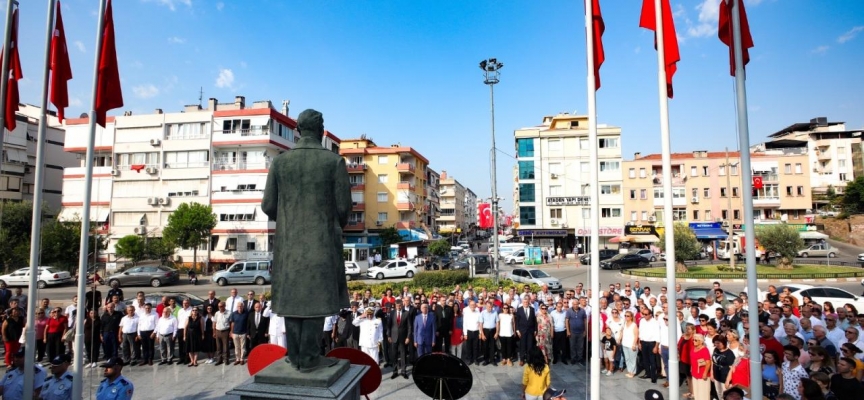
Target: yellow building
column 388, row 188
column 706, row 188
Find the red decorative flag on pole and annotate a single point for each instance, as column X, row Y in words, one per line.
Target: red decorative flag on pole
column 484, row 210
column 12, row 76
column 724, row 32
column 670, row 39
column 599, row 27
column 61, row 70
column 108, row 93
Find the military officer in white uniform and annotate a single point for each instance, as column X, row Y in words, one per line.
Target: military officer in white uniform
column 12, row 385
column 371, row 333
column 115, row 386
column 58, row 386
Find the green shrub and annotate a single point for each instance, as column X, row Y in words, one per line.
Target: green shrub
column 378, row 289
column 441, row 278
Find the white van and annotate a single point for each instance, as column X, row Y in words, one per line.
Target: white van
column 508, row 248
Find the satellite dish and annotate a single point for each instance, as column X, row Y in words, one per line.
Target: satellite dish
column 442, row 376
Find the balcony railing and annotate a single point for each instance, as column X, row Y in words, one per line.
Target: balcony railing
column 354, row 168
column 405, row 186
column 406, row 206
column 239, row 166
column 246, row 132
column 677, row 180
column 768, row 177
column 356, row 206
column 355, row 226
column 405, row 167
column 358, row 187
column 406, row 225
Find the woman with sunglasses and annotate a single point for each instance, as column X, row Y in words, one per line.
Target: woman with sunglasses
column 506, row 329
column 41, row 324
column 685, row 350
column 820, row 361
column 616, row 323
column 629, row 343
column 700, row 368
column 545, row 329
column 54, row 332
column 208, row 344
column 92, row 337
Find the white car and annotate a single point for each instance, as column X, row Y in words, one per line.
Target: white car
column 821, row 294
column 517, row 256
column 352, row 271
column 861, row 257
column 48, row 276
column 392, row 269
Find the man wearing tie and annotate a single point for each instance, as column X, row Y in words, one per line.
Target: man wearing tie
column 424, row 331
column 259, row 327
column 444, row 319
column 526, row 327
column 399, row 330
column 211, row 301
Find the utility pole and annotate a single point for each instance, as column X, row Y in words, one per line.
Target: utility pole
column 731, row 251
column 490, row 69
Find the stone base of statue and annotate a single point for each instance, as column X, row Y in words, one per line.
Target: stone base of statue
column 281, row 380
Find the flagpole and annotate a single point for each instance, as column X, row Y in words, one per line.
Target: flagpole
column 36, row 224
column 668, row 221
column 4, row 66
column 747, row 188
column 77, row 383
column 594, row 284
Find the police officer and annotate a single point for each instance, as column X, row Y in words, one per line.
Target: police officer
column 58, row 386
column 12, row 385
column 114, row 386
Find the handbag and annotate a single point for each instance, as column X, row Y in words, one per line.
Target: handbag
column 69, row 336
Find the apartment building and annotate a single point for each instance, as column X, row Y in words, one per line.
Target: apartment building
column 829, row 147
column 470, row 210
column 551, row 196
column 454, row 216
column 433, row 199
column 706, row 188
column 388, row 188
column 17, row 175
column 147, row 165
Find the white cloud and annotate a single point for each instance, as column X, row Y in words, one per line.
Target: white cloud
column 171, row 3
column 219, row 6
column 820, row 50
column 176, row 40
column 850, row 34
column 80, row 46
column 145, row 91
column 75, row 102
column 225, row 78
column 709, row 13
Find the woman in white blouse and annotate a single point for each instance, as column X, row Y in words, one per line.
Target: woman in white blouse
column 629, row 338
column 506, row 328
column 616, row 323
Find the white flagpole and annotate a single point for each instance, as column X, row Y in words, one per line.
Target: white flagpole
column 4, row 66
column 668, row 221
column 594, row 284
column 747, row 188
column 77, row 383
column 36, row 225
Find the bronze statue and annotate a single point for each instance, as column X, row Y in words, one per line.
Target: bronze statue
column 309, row 197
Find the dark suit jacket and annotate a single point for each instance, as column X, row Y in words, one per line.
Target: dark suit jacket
column 256, row 333
column 214, row 304
column 424, row 334
column 444, row 318
column 355, row 330
column 250, row 307
column 401, row 331
column 526, row 324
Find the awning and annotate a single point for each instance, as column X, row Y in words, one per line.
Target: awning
column 812, row 235
column 643, row 239
column 710, row 233
column 98, row 214
column 618, row 239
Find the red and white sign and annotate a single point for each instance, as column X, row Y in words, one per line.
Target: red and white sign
column 484, row 214
column 604, row 231
column 757, row 182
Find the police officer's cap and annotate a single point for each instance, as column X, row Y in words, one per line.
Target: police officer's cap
column 112, row 362
column 60, row 359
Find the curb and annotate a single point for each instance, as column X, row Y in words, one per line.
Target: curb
column 693, row 280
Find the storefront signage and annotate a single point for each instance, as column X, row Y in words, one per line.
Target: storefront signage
column 705, row 225
column 541, row 232
column 568, row 201
column 640, row 230
column 798, row 227
column 604, row 231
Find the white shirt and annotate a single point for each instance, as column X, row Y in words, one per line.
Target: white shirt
column 220, row 321
column 231, row 303
column 470, row 320
column 505, row 325
column 664, row 333
column 69, row 310
column 329, row 322
column 649, row 330
column 277, row 324
column 147, row 322
column 167, row 326
column 129, row 324
column 836, row 335
column 183, row 317
column 371, row 331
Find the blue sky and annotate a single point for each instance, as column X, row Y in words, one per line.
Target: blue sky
column 407, row 71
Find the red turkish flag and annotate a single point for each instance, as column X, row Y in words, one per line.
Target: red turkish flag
column 670, row 40
column 484, row 211
column 599, row 27
column 757, row 182
column 108, row 92
column 724, row 32
column 61, row 71
column 12, row 76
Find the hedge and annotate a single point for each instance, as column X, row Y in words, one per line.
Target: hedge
column 444, row 280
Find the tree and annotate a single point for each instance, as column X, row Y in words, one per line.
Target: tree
column 686, row 245
column 61, row 241
column 388, row 236
column 781, row 239
column 853, row 197
column 160, row 249
column 190, row 226
column 131, row 247
column 439, row 247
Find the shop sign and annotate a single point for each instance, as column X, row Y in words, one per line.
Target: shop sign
column 604, row 231
column 541, row 232
column 568, row 201
column 640, row 230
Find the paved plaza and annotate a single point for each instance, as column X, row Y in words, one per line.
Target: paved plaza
column 212, row 382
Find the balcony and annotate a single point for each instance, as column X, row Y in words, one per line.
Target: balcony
column 823, row 155
column 356, row 168
column 766, row 202
column 405, row 186
column 245, row 132
column 406, row 206
column 406, row 225
column 357, row 206
column 768, row 177
column 406, row 168
column 358, row 187
column 241, row 166
column 677, row 180
column 355, row 226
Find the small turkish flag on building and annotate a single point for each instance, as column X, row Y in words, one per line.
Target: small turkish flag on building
column 484, row 211
column 757, row 182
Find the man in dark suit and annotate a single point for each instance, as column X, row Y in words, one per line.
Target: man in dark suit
column 259, row 326
column 249, row 302
column 526, row 327
column 424, row 331
column 399, row 329
column 413, row 310
column 444, row 320
column 211, row 301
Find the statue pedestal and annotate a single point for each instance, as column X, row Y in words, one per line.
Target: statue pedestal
column 281, row 381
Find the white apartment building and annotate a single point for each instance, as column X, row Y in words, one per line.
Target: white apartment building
column 433, row 200
column 456, row 215
column 147, row 165
column 471, row 220
column 552, row 192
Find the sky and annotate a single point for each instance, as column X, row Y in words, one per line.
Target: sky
column 406, row 71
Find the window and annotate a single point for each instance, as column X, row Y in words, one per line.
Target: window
column 250, row 246
column 705, row 171
column 525, row 147
column 555, row 213
column 797, row 168
column 632, row 173
column 841, row 163
column 192, row 130
column 632, row 194
column 556, row 190
column 707, row 214
column 526, row 192
column 382, row 217
column 736, row 214
column 555, row 168
column 355, row 179
column 231, row 244
column 382, row 178
column 586, row 189
column 722, row 192
column 643, row 194
column 235, row 125
column 695, row 192
column 609, row 166
column 583, row 144
column 733, row 169
column 678, row 193
column 706, row 193
column 127, row 159
column 586, row 213
column 787, row 168
column 693, row 171
column 642, row 173
column 843, row 177
column 788, row 190
column 382, row 160
column 608, row 143
column 722, row 170
column 610, row 213
column 633, row 215
column 695, row 215
column 800, row 190
column 555, row 145
column 187, row 159
column 382, row 197
column 526, row 169
column 527, row 216
column 658, row 193
column 610, row 189
column 735, row 191
column 679, row 214
column 796, row 214
column 644, row 216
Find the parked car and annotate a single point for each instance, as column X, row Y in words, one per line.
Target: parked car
column 517, row 257
column 154, row 298
column 697, row 292
column 48, row 276
column 153, row 275
column 392, row 269
column 257, row 272
column 861, row 257
column 441, row 263
column 821, row 294
column 352, row 271
column 537, row 277
column 605, row 254
column 621, row 261
column 818, row 250
column 701, row 256
column 645, row 253
column 482, row 264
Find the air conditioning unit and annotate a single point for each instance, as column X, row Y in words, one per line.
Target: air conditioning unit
column 694, row 200
column 553, row 176
column 379, row 223
column 151, row 170
column 652, row 219
column 152, row 201
column 164, row 201
column 115, row 172
column 553, row 221
column 155, row 142
column 141, row 230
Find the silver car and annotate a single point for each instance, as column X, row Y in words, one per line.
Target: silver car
column 537, row 277
column 257, row 272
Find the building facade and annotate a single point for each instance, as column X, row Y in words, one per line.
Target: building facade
column 706, row 188
column 553, row 183
column 433, row 199
column 458, row 206
column 147, row 165
column 388, row 188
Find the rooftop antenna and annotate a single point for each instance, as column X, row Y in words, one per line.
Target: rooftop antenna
column 200, row 96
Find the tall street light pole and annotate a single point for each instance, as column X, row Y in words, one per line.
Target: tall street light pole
column 490, row 69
